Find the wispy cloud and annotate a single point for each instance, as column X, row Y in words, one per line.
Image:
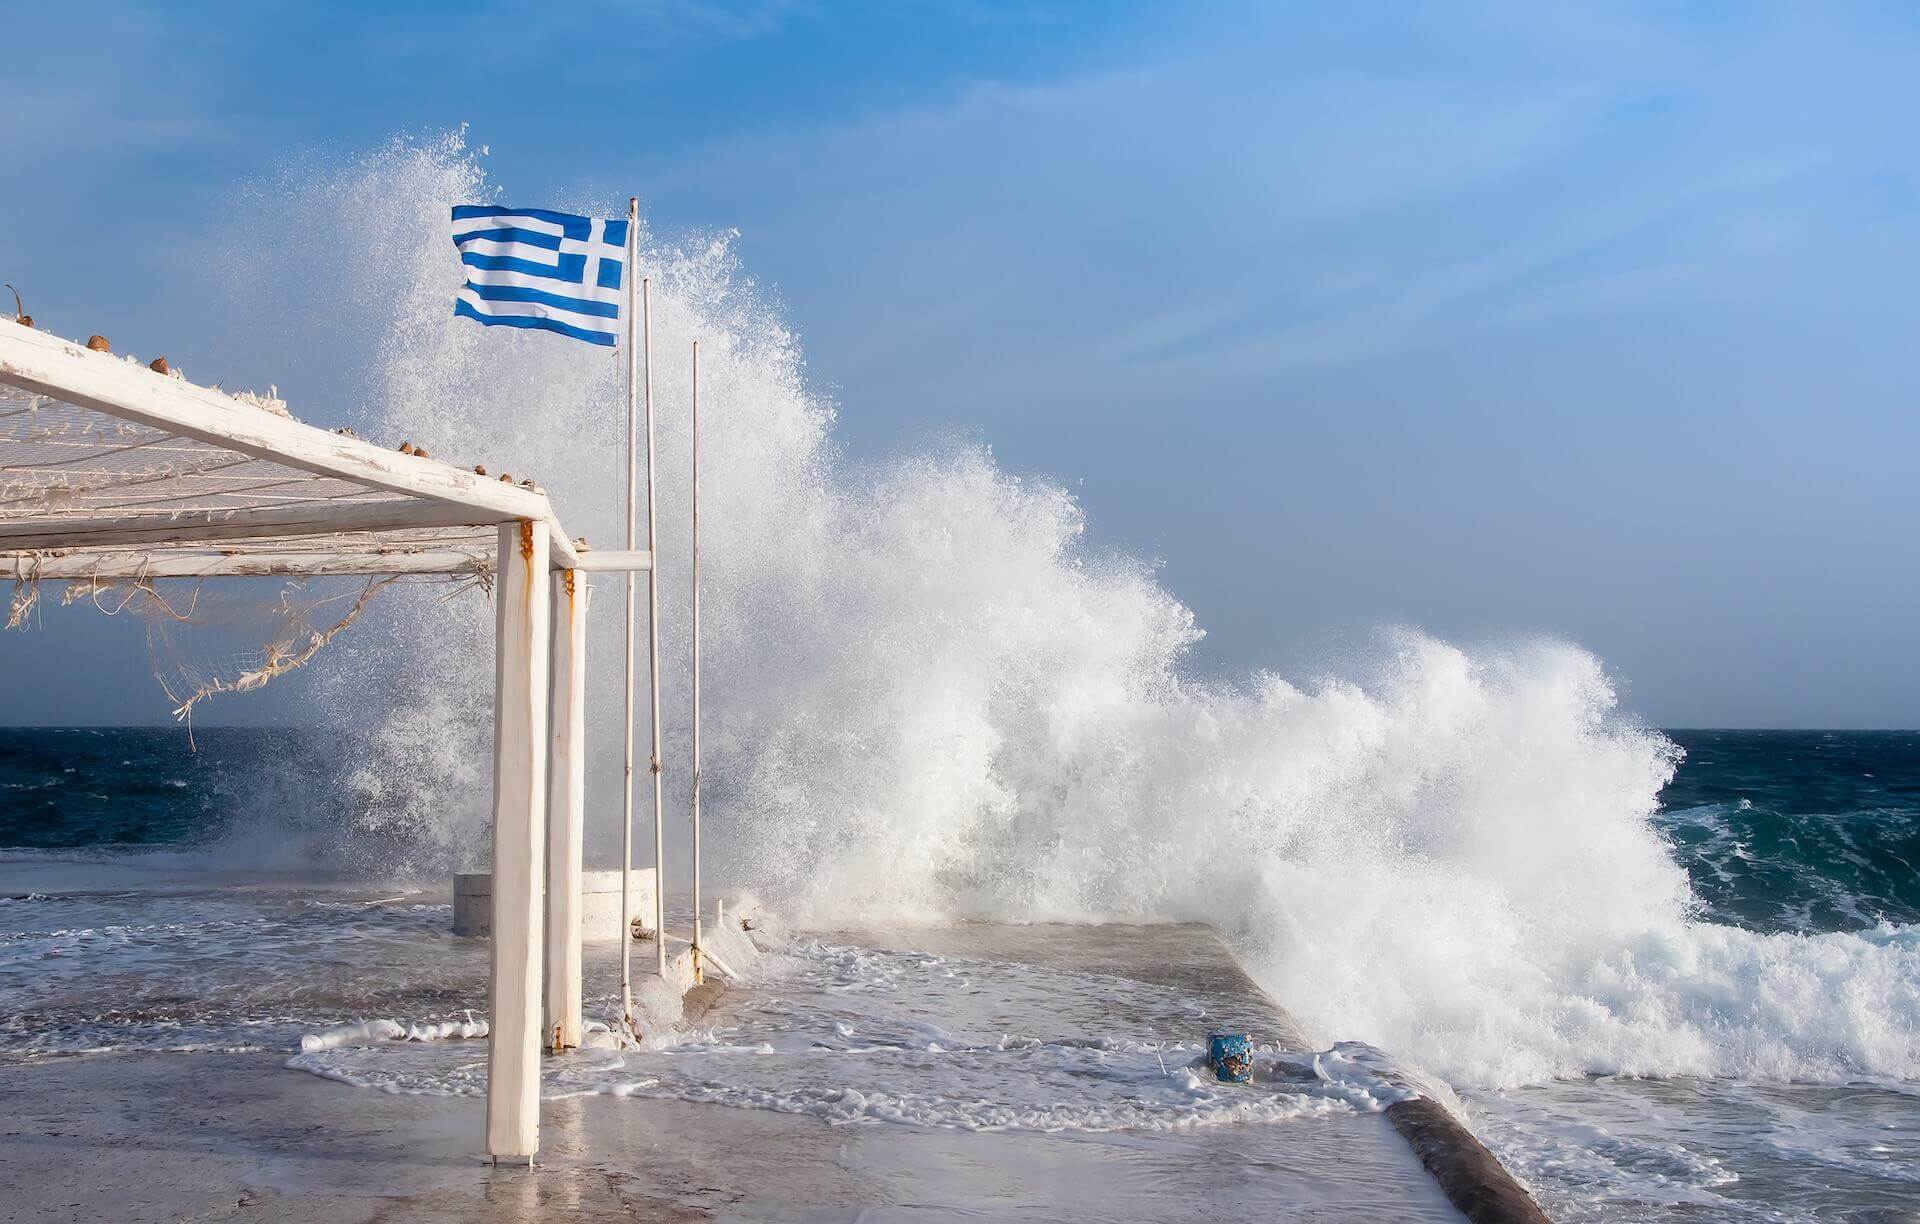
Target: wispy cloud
column 1247, row 197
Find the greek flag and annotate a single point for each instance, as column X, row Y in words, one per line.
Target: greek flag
column 532, row 267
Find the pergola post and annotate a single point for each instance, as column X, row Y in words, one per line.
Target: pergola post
column 521, row 646
column 566, row 817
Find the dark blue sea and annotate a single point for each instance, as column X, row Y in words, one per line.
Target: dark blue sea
column 1798, row 830
column 1809, row 831
column 69, row 788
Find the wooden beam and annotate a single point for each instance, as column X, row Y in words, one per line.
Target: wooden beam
column 320, row 518
column 560, row 550
column 47, row 365
column 521, row 644
column 566, row 811
column 200, row 563
column 600, row 561
column 43, row 363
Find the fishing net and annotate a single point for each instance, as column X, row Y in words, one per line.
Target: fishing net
column 208, row 637
column 101, row 506
column 192, row 630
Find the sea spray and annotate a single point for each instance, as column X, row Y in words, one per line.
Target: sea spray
column 930, row 698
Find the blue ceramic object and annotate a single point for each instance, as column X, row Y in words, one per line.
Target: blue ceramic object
column 1231, row 1057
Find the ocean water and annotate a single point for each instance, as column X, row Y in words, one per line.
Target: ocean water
column 92, row 788
column 1778, row 831
column 1663, row 970
column 179, row 947
column 1798, row 836
column 1799, row 830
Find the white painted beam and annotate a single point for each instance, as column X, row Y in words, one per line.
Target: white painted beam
column 566, row 811
column 560, row 550
column 212, row 526
column 614, row 560
column 319, row 518
column 48, row 365
column 200, row 563
column 521, row 645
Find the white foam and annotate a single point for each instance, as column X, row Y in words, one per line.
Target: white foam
column 862, row 1036
column 930, row 698
column 445, row 1030
column 363, row 1033
column 1613, row 1150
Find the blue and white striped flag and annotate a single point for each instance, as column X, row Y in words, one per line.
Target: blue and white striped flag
column 532, row 267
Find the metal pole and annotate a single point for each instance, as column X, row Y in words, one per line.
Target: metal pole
column 626, row 790
column 697, row 970
column 653, row 656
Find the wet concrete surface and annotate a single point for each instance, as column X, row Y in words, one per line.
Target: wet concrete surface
column 154, row 1136
column 1190, row 957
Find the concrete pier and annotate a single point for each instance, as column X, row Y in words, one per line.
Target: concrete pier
column 240, row 1135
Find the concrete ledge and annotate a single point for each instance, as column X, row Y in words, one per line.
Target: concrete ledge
column 1194, row 958
column 698, row 992
column 1473, row 1180
column 599, row 896
column 665, row 1003
column 696, row 1003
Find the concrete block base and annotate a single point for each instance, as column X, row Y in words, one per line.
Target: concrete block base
column 599, row 903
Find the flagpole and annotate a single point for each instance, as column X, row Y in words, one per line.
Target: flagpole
column 653, row 656
column 697, row 968
column 626, row 795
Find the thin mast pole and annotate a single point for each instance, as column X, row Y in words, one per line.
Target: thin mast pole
column 696, row 658
column 626, row 790
column 653, row 657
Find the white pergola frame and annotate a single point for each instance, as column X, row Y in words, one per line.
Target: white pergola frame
column 539, row 641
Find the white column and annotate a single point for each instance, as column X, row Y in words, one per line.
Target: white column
column 566, row 815
column 521, row 647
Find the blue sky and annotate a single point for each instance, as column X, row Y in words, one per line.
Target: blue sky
column 1495, row 319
